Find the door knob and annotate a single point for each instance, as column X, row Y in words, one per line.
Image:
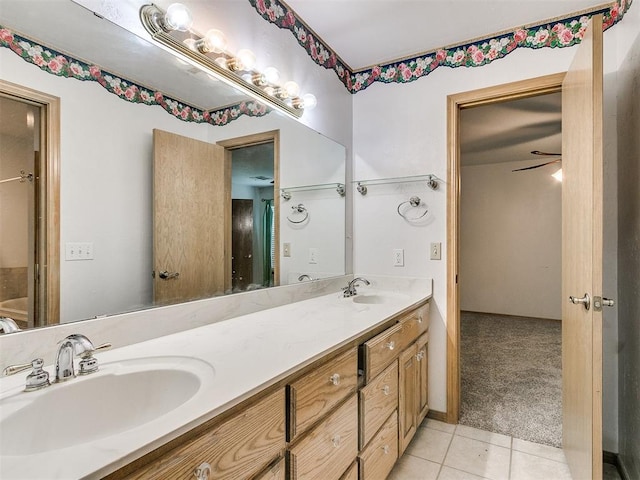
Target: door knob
column 166, row 275
column 585, row 301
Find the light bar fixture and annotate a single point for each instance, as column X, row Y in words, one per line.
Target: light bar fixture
column 172, row 29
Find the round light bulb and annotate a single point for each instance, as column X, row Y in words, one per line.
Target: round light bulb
column 310, row 101
column 246, row 58
column 272, row 75
column 215, row 41
column 178, row 17
column 247, row 77
column 269, row 91
column 221, row 61
column 292, row 89
column 191, row 43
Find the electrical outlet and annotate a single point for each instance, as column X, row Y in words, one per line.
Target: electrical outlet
column 286, row 249
column 313, row 255
column 398, row 257
column 78, row 251
column 435, row 251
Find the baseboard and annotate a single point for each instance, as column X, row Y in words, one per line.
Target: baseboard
column 614, row 459
column 435, row 415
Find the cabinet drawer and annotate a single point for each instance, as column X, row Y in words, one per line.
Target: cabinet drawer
column 315, row 394
column 381, row 350
column 415, row 324
column 273, row 472
column 377, row 460
column 238, row 448
column 377, row 400
column 329, row 448
column 352, row 473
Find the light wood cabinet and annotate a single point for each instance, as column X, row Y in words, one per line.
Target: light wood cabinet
column 407, row 397
column 377, row 401
column 379, row 457
column 423, row 377
column 352, row 473
column 315, row 394
column 328, row 449
column 276, row 471
column 238, row 448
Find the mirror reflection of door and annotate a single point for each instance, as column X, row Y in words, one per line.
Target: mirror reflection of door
column 29, row 206
column 253, row 227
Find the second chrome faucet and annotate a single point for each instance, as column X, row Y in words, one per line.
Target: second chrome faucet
column 350, row 289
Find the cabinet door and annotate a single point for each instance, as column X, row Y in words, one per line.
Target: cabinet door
column 423, row 377
column 408, row 398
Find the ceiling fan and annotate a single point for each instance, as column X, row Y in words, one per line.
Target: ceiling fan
column 538, row 152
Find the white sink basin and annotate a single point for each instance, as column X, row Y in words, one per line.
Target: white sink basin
column 378, row 298
column 121, row 396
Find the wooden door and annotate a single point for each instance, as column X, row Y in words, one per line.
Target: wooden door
column 241, row 243
column 191, row 187
column 407, row 393
column 582, row 256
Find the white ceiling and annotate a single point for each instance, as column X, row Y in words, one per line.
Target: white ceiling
column 369, row 32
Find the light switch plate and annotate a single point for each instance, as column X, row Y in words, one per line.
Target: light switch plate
column 313, row 256
column 435, row 251
column 78, row 251
column 398, row 257
column 286, row 249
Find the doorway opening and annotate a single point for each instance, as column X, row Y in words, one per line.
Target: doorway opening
column 29, row 206
column 255, row 203
column 511, row 268
column 456, row 105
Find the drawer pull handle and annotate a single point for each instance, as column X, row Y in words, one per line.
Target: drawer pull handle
column 420, row 319
column 336, row 441
column 335, row 379
column 420, row 356
column 390, row 345
column 386, row 390
column 385, row 449
column 203, row 471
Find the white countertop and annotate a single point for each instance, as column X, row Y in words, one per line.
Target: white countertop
column 247, row 353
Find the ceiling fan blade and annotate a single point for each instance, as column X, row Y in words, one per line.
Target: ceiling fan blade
column 538, row 152
column 538, row 166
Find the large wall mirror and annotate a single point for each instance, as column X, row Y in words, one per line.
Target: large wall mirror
column 283, row 216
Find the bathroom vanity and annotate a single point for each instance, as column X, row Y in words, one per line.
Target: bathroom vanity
column 329, row 388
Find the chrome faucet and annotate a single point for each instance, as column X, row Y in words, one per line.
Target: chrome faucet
column 350, row 290
column 304, row 276
column 71, row 346
column 8, row 325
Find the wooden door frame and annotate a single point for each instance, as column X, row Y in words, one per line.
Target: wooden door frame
column 272, row 136
column 455, row 103
column 48, row 230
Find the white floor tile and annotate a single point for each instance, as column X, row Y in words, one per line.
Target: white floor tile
column 448, row 473
column 429, row 444
column 532, row 467
column 414, row 468
column 437, row 425
column 484, row 436
column 479, row 458
column 539, row 450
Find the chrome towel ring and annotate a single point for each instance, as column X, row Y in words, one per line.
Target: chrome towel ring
column 414, row 202
column 298, row 211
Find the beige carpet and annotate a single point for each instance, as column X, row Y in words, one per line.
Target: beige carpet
column 511, row 376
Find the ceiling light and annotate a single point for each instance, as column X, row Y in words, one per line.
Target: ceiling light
column 309, row 101
column 213, row 41
column 558, row 175
column 292, row 89
column 272, row 75
column 178, row 17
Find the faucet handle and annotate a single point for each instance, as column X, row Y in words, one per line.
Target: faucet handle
column 36, row 380
column 89, row 363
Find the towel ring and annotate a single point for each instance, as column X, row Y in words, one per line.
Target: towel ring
column 298, row 209
column 413, row 202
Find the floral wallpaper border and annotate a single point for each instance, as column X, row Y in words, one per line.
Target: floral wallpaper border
column 561, row 33
column 61, row 65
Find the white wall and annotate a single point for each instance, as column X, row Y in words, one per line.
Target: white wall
column 400, row 129
column 511, row 241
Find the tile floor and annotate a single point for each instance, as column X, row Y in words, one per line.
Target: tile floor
column 440, row 451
